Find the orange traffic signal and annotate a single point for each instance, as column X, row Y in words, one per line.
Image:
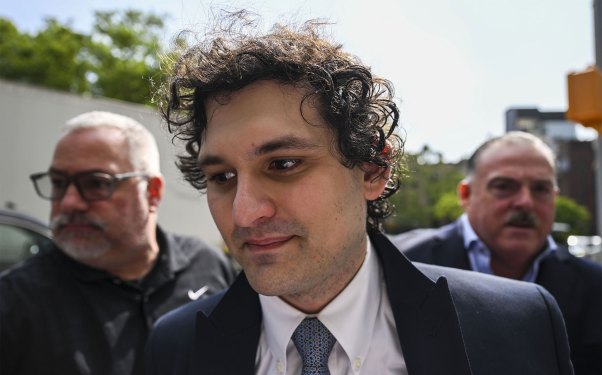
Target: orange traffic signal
column 585, row 98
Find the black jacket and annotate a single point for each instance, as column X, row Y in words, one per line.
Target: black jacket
column 575, row 283
column 448, row 321
column 58, row 316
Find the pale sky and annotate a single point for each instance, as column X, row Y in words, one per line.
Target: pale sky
column 457, row 65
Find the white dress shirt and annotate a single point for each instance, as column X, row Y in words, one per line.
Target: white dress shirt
column 360, row 318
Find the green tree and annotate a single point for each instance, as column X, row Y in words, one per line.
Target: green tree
column 125, row 54
column 447, row 208
column 428, row 178
column 577, row 218
column 50, row 58
column 118, row 59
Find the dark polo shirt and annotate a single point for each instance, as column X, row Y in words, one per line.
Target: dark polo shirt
column 58, row 316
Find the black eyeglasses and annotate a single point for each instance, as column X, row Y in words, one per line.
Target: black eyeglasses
column 92, row 186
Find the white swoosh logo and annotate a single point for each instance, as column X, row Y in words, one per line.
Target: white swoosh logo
column 195, row 295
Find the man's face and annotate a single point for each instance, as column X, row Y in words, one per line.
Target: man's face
column 511, row 200
column 291, row 214
column 101, row 233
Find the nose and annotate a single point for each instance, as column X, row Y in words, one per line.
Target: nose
column 72, row 201
column 524, row 197
column 252, row 204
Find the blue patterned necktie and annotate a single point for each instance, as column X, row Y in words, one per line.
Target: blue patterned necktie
column 314, row 343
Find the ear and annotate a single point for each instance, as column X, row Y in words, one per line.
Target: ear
column 463, row 191
column 154, row 192
column 375, row 180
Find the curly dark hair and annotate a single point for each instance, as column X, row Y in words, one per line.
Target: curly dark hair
column 357, row 106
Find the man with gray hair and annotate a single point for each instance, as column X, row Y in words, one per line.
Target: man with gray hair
column 85, row 305
column 508, row 196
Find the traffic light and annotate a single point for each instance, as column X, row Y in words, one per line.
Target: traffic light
column 585, row 98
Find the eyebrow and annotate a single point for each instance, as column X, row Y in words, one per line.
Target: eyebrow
column 90, row 171
column 289, row 142
column 285, row 143
column 546, row 181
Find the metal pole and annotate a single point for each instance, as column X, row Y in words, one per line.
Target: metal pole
column 598, row 32
column 597, row 8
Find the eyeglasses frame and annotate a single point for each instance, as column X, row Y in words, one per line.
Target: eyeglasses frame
column 71, row 179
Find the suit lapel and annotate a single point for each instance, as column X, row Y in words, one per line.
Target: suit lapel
column 563, row 283
column 227, row 337
column 449, row 248
column 426, row 319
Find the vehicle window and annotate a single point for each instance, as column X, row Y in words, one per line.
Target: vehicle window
column 17, row 244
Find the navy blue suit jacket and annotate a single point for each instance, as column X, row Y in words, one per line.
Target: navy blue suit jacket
column 576, row 284
column 449, row 322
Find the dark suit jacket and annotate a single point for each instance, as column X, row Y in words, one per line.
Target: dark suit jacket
column 576, row 284
column 449, row 322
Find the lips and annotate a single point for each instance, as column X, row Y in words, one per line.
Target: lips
column 267, row 243
column 270, row 235
column 522, row 224
column 76, row 227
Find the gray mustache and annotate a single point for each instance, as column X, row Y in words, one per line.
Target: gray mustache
column 62, row 220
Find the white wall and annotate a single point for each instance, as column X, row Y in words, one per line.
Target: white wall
column 30, row 124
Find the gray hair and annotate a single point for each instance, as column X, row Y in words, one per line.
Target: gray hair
column 142, row 146
column 510, row 138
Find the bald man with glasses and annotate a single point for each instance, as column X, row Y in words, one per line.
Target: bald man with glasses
column 85, row 305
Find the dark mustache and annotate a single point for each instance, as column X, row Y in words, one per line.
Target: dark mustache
column 522, row 219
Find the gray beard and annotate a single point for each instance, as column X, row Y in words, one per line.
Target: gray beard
column 91, row 248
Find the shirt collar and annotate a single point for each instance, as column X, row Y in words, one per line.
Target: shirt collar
column 356, row 306
column 468, row 233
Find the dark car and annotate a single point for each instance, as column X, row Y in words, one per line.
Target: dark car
column 21, row 236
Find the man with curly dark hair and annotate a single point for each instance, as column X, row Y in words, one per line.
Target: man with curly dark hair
column 295, row 143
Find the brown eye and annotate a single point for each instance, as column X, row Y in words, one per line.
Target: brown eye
column 95, row 183
column 58, row 185
column 503, row 187
column 222, row 178
column 95, row 187
column 284, row 164
column 542, row 190
column 57, row 182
